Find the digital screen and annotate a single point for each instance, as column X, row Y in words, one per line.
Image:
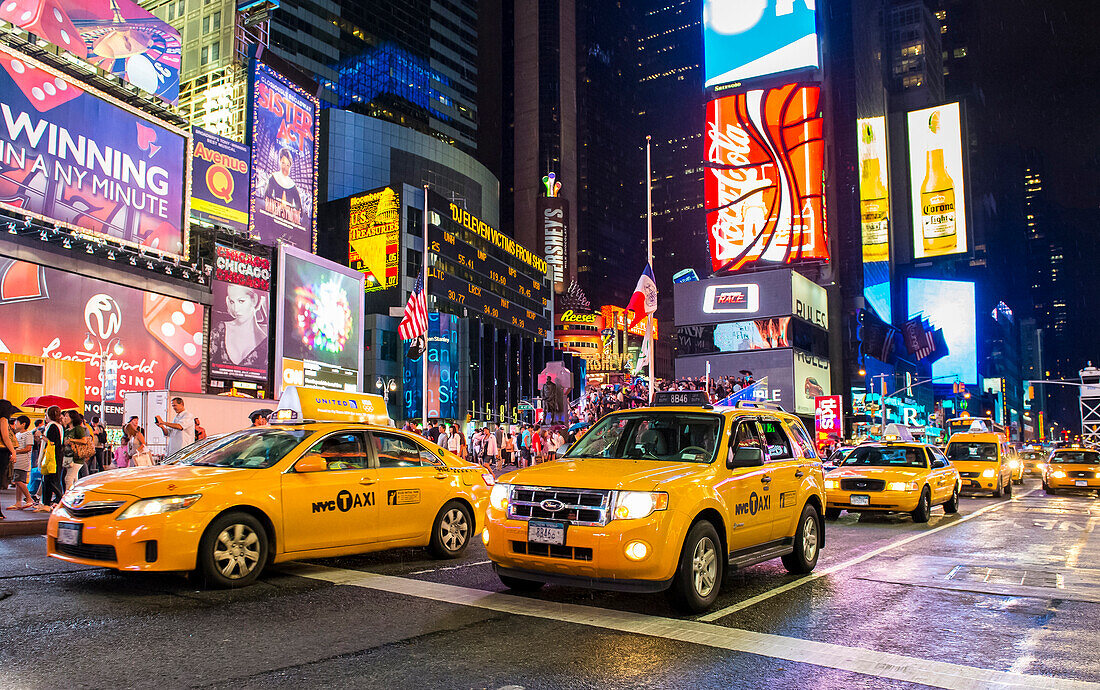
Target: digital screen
column 735, row 336
column 829, row 416
column 320, row 322
column 764, row 189
column 443, row 371
column 874, row 189
column 116, row 36
column 811, row 379
column 284, row 131
column 950, row 306
column 74, row 157
column 745, row 39
column 239, row 322
column 219, row 180
column 937, row 181
column 482, row 302
column 151, row 342
column 374, row 237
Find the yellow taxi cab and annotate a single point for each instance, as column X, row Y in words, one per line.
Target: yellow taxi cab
column 1074, row 468
column 302, row 487
column 1033, row 459
column 663, row 498
column 982, row 461
column 1016, row 465
column 897, row 475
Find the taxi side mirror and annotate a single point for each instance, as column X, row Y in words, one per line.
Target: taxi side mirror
column 745, row 457
column 311, row 463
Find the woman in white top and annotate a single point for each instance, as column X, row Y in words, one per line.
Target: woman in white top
column 136, row 449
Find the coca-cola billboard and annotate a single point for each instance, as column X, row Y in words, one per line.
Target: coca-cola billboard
column 764, row 189
column 142, row 340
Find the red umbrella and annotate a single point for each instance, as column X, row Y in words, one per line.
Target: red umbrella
column 43, row 401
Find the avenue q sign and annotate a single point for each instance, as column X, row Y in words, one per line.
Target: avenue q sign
column 765, row 294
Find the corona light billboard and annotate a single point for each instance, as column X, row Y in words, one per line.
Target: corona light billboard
column 764, row 189
column 937, row 181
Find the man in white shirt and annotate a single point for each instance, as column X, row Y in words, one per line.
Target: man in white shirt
column 181, row 430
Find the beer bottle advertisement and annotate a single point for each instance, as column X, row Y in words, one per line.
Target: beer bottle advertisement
column 874, row 203
column 937, row 178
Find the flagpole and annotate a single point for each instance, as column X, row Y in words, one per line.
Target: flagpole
column 424, row 355
column 649, row 251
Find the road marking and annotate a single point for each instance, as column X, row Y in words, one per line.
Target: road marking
column 721, row 613
column 451, row 567
column 823, row 654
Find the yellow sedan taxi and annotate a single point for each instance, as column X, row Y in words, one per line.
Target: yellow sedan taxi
column 894, row 476
column 1072, row 469
column 983, row 462
column 305, row 489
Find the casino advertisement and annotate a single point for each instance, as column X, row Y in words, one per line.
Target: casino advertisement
column 240, row 322
column 71, row 156
column 320, row 322
column 374, row 235
column 148, row 341
column 116, row 36
column 284, row 132
column 219, row 181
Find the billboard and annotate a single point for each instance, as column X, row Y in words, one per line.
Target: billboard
column 443, row 371
column 283, row 129
column 554, row 240
column 74, row 157
column 150, row 342
column 116, row 36
column 744, row 39
column 736, row 336
column 765, row 189
column 937, row 181
column 320, row 323
column 781, row 292
column 828, row 417
column 874, row 189
column 949, row 305
column 811, row 379
column 219, row 180
column 374, row 237
column 240, row 323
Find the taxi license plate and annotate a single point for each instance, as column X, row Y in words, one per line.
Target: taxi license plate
column 68, row 533
column 861, row 500
column 1081, row 482
column 540, row 532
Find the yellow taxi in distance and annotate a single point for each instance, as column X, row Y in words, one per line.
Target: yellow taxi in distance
column 893, row 476
column 664, row 498
column 1016, row 465
column 1072, row 469
column 267, row 494
column 982, row 461
column 1033, row 460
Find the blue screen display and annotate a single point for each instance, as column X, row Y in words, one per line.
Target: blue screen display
column 950, row 305
column 744, row 39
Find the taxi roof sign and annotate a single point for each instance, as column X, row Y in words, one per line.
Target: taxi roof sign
column 897, row 432
column 320, row 405
column 681, row 398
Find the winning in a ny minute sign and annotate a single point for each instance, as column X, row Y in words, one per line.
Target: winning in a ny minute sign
column 732, row 299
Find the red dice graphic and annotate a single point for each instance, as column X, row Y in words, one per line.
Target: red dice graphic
column 41, row 88
column 45, row 18
column 177, row 324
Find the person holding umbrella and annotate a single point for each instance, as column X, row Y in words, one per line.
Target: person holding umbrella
column 7, row 439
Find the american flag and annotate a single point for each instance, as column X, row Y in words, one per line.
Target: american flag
column 415, row 322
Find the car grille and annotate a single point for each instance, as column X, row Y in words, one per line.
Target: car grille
column 579, row 506
column 95, row 508
column 861, row 484
column 969, row 475
column 573, row 553
column 1081, row 474
column 95, row 552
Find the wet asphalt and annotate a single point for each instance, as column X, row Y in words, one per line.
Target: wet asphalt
column 1005, row 585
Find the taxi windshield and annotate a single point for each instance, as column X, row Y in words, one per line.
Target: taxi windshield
column 249, row 449
column 873, row 456
column 1076, row 457
column 645, row 435
column 180, row 456
column 972, row 450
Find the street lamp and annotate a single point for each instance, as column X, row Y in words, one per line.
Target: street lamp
column 385, row 388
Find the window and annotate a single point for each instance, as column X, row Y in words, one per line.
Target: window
column 212, row 23
column 960, row 52
column 938, row 458
column 397, row 451
column 389, row 346
column 776, row 443
column 182, row 8
column 802, row 438
column 344, row 451
column 171, row 11
column 210, row 53
column 28, row 373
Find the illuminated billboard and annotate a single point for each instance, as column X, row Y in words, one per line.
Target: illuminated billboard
column 764, row 189
column 744, row 39
column 320, row 323
column 116, row 36
column 444, row 371
column 374, row 237
column 937, row 181
column 949, row 305
column 284, row 131
column 72, row 156
column 219, row 180
column 239, row 323
column 874, row 208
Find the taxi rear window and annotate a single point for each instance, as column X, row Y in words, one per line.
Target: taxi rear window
column 251, row 449
column 961, row 451
column 1076, row 457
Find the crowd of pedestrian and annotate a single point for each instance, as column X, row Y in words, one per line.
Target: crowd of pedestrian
column 498, row 446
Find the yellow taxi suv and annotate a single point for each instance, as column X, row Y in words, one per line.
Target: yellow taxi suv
column 982, row 461
column 291, row 490
column 1072, row 469
column 664, row 498
column 900, row 476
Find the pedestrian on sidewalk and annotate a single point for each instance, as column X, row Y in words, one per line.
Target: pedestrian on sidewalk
column 507, row 450
column 24, row 443
column 7, row 438
column 78, row 443
column 50, row 464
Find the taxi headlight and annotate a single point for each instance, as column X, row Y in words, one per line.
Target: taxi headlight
column 1058, row 474
column 1014, row 464
column 498, row 497
column 989, row 473
column 631, row 505
column 901, row 486
column 156, row 506
column 832, row 484
column 1041, row 466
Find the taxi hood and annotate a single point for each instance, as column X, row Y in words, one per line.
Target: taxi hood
column 603, row 473
column 166, row 480
column 887, row 473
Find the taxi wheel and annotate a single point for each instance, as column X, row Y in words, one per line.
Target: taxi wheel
column 1050, row 491
column 233, row 551
column 999, row 491
column 832, row 513
column 451, row 531
column 699, row 574
column 924, row 508
column 952, row 506
column 1008, row 488
column 807, row 542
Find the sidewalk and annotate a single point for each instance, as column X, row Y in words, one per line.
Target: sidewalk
column 19, row 522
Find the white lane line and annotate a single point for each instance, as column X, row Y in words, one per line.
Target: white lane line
column 720, row 613
column 854, row 659
column 450, row 567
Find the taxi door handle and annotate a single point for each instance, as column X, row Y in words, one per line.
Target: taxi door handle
column 766, row 478
column 367, row 481
column 441, row 475
column 798, row 473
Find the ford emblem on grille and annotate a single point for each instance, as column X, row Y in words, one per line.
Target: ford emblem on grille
column 77, row 498
column 552, row 505
column 861, row 485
